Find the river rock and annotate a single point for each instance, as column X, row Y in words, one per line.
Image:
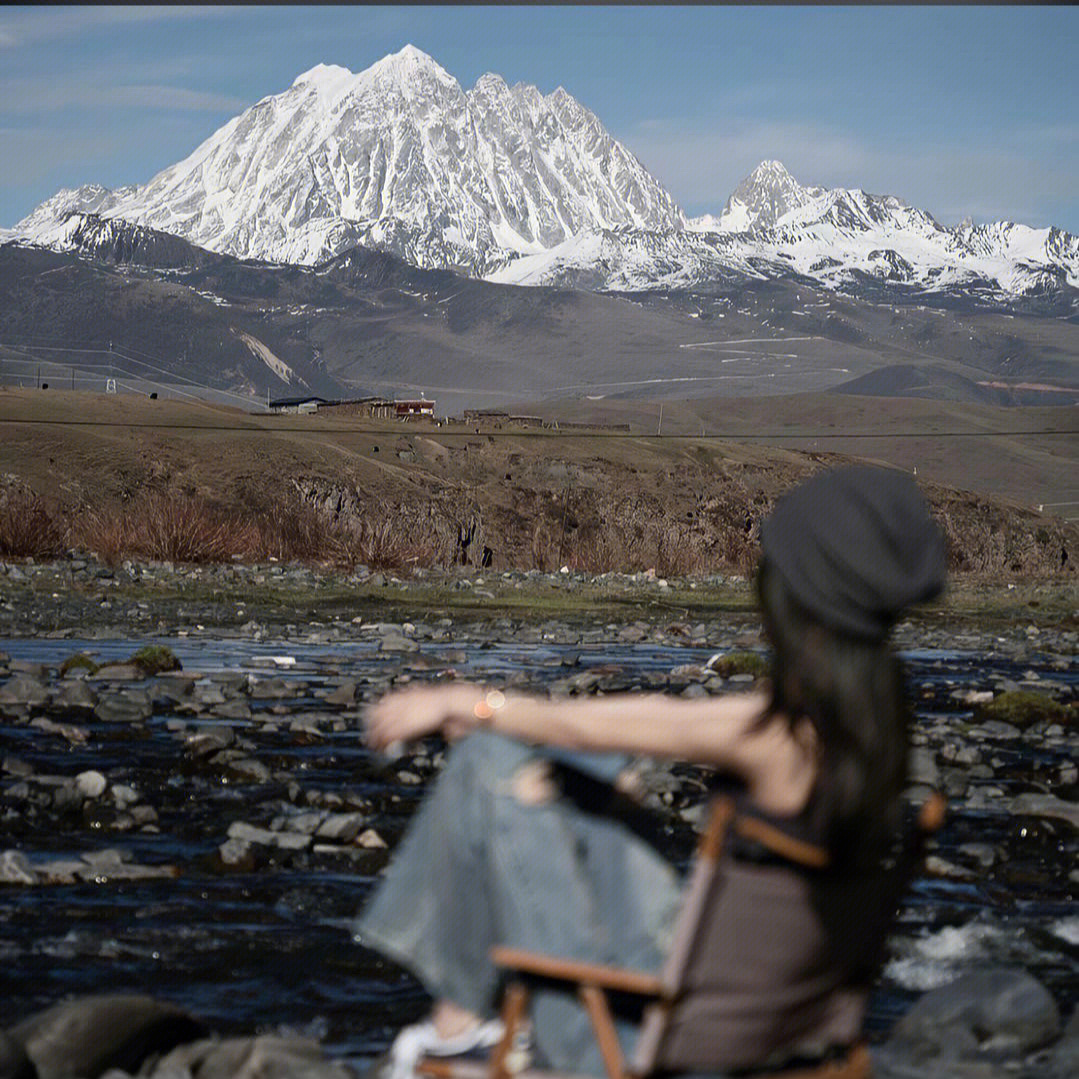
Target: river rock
column 124, row 706
column 1045, row 805
column 119, row 672
column 14, row 1063
column 1063, row 1059
column 22, row 691
column 267, row 1056
column 89, row 1035
column 91, row 784
column 397, row 643
column 248, row 770
column 344, row 695
column 982, row 1018
column 74, row 697
column 15, row 868
column 342, row 827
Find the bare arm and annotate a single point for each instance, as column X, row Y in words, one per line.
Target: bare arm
column 718, row 731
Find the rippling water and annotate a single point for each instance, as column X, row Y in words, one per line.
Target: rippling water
column 272, row 951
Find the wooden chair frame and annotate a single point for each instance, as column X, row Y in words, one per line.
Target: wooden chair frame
column 594, row 982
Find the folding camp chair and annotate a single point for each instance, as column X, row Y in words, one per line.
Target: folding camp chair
column 594, row 982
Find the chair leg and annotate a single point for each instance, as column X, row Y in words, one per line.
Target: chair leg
column 595, row 1002
column 514, row 1008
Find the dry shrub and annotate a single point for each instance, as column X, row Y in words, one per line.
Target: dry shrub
column 175, row 528
column 381, row 543
column 292, row 531
column 27, row 529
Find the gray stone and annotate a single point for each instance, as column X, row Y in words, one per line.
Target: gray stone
column 15, row 868
column 234, row 709
column 62, row 871
column 22, row 691
column 249, row 833
column 397, row 644
column 263, row 837
column 91, row 784
column 986, row 1015
column 267, row 1056
column 207, row 740
column 922, row 767
column 344, row 695
column 118, row 672
column 73, row 734
column 249, row 770
column 89, row 1035
column 14, row 1063
column 74, row 697
column 124, row 706
column 1045, row 805
column 343, row 827
column 1063, row 1060
column 236, row 853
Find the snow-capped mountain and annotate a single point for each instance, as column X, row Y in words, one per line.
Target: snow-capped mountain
column 765, row 196
column 504, row 182
column 397, row 157
column 845, row 240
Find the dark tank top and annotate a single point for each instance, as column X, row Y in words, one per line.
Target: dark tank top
column 768, row 982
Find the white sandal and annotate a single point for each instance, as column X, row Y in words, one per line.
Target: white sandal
column 420, row 1039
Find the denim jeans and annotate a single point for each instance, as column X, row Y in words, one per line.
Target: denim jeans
column 479, row 867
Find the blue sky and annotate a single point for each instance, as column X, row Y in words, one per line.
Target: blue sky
column 959, row 110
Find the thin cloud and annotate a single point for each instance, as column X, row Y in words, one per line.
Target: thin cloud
column 35, row 96
column 702, row 167
column 172, row 97
column 49, row 24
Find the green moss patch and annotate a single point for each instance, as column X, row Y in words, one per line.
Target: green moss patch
column 155, row 658
column 1022, row 707
column 78, row 662
column 741, row 663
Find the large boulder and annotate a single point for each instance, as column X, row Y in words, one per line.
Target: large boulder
column 972, row 1028
column 264, row 1057
column 14, row 1063
column 87, row 1036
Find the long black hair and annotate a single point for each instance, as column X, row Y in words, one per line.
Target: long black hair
column 851, row 690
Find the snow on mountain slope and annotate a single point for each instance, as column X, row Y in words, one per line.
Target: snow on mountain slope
column 765, row 196
column 504, row 182
column 397, row 157
column 846, row 240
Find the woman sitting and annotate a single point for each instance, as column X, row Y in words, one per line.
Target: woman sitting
column 506, row 849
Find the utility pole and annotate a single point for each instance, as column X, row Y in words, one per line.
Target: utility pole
column 39, row 376
column 659, row 426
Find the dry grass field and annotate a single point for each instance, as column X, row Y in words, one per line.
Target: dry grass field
column 110, row 470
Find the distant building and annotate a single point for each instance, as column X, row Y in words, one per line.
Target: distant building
column 414, row 408
column 479, row 415
column 297, row 404
column 368, row 407
column 376, row 407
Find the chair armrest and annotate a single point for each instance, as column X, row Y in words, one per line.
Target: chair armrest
column 572, row 970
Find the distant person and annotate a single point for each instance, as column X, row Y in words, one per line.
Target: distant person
column 506, row 849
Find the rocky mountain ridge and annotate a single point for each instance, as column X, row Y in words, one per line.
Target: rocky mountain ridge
column 397, row 157
column 505, row 183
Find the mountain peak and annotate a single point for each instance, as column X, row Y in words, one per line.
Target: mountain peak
column 406, row 64
column 323, row 76
column 764, row 196
column 770, row 170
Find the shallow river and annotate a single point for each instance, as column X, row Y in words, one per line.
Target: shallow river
column 272, row 949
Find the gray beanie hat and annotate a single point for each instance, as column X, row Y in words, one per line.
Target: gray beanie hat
column 855, row 546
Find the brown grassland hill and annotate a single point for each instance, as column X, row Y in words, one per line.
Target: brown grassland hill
column 125, row 475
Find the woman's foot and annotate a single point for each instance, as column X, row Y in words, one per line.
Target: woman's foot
column 465, row 1033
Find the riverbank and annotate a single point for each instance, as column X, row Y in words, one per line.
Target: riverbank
column 81, row 596
column 206, row 834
